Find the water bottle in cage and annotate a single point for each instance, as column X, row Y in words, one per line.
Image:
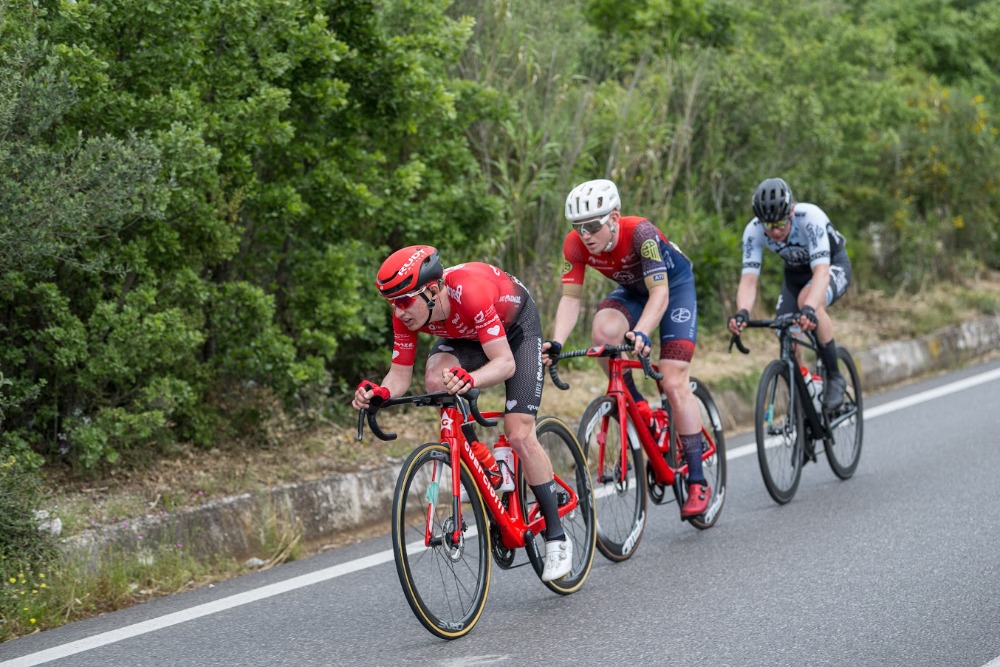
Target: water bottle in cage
column 504, row 457
column 486, row 459
column 814, row 384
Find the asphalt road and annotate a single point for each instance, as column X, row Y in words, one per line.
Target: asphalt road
column 898, row 566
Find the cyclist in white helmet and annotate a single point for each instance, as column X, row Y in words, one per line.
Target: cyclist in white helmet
column 655, row 290
column 817, row 270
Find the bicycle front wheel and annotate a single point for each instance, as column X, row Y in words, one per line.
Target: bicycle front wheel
column 778, row 423
column 445, row 580
column 843, row 450
column 570, row 466
column 619, row 482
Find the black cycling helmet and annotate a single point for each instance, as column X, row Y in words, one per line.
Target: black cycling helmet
column 407, row 270
column 772, row 200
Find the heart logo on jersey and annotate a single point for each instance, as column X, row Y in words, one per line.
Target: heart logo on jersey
column 395, row 353
column 494, row 330
column 445, row 348
column 511, row 404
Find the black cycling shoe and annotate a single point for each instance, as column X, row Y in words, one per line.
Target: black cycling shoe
column 834, row 393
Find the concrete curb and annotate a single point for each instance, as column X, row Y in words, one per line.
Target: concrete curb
column 245, row 526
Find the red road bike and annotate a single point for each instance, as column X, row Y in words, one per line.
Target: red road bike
column 447, row 518
column 614, row 449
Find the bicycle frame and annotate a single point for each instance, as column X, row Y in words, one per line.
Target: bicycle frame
column 663, row 472
column 818, row 426
column 517, row 527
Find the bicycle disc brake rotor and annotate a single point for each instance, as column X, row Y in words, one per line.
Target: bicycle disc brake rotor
column 452, row 549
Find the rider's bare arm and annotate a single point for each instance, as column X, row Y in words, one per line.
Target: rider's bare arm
column 499, row 368
column 567, row 313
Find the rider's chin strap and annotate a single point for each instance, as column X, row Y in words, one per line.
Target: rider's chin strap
column 430, row 307
column 614, row 229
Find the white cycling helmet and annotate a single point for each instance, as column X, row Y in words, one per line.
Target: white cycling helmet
column 593, row 199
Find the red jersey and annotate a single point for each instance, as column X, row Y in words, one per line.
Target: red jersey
column 484, row 302
column 643, row 258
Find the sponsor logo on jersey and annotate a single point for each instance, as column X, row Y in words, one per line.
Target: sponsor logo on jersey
column 509, row 298
column 650, row 250
column 658, row 277
column 480, row 317
column 623, row 277
column 455, row 293
column 567, row 267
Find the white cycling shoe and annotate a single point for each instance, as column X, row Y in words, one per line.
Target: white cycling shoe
column 558, row 559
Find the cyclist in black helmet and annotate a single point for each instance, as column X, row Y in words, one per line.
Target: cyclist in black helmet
column 817, row 269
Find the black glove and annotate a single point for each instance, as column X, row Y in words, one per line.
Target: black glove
column 741, row 317
column 555, row 347
column 809, row 314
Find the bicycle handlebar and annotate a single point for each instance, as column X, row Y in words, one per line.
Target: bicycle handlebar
column 466, row 403
column 600, row 351
column 780, row 323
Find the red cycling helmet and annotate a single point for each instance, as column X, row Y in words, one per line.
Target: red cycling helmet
column 408, row 269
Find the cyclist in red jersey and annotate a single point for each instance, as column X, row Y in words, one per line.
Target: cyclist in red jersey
column 655, row 290
column 488, row 332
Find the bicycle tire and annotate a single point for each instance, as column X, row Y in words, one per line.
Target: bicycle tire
column 569, row 464
column 715, row 467
column 620, row 505
column 446, row 586
column 780, row 434
column 843, row 449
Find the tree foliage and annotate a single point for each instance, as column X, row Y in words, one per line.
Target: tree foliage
column 194, row 197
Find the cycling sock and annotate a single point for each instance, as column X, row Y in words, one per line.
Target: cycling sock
column 630, row 385
column 692, row 454
column 546, row 496
column 828, row 351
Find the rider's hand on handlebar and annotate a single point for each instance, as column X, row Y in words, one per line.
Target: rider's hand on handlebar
column 365, row 392
column 457, row 380
column 643, row 346
column 738, row 322
column 807, row 318
column 550, row 352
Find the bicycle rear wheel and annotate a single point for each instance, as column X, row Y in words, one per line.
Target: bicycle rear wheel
column 843, row 451
column 780, row 432
column 445, row 582
column 620, row 503
column 570, row 466
column 714, row 466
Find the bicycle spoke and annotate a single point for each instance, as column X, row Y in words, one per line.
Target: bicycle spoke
column 779, row 431
column 620, row 487
column 445, row 583
column 846, row 423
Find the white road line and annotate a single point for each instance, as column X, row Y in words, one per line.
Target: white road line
column 899, row 404
column 271, row 590
column 206, row 609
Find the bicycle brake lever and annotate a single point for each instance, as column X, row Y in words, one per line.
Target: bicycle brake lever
column 554, row 375
column 738, row 342
column 647, row 367
column 472, row 396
